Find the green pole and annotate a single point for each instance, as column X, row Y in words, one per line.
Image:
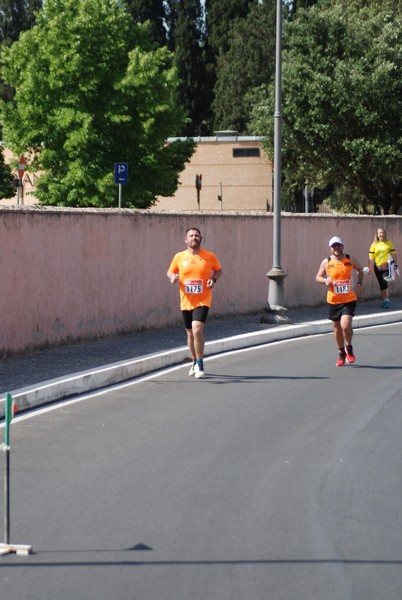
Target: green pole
column 8, row 418
column 6, row 548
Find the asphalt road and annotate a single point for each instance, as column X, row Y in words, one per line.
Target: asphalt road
column 278, row 477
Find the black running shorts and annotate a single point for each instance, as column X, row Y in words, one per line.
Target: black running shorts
column 198, row 314
column 335, row 311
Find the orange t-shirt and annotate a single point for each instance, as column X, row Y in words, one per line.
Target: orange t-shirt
column 194, row 271
column 340, row 290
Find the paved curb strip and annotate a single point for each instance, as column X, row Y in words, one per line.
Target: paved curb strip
column 94, row 379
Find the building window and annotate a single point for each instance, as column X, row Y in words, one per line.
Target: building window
column 241, row 152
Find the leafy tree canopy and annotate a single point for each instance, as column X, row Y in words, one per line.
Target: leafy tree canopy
column 342, row 101
column 91, row 90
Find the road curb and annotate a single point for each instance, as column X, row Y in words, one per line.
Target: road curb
column 54, row 390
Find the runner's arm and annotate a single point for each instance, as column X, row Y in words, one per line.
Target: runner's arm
column 321, row 276
column 216, row 274
column 214, row 277
column 173, row 276
column 360, row 275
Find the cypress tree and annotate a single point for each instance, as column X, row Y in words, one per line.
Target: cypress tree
column 220, row 17
column 189, row 61
column 16, row 16
column 153, row 11
column 249, row 62
column 296, row 4
column 6, row 178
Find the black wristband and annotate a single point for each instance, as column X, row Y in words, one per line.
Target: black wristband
column 213, row 279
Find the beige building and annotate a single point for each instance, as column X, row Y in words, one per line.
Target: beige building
column 235, row 174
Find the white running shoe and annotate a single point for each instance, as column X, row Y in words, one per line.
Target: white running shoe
column 192, row 370
column 199, row 372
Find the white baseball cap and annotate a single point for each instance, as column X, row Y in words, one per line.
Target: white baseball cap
column 335, row 240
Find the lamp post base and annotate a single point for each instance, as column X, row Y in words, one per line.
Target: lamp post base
column 274, row 317
column 17, row 548
column 276, row 296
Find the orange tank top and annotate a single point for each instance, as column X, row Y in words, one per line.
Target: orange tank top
column 340, row 290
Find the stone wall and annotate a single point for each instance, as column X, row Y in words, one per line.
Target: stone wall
column 71, row 274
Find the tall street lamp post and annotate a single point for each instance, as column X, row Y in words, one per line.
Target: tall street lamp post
column 277, row 275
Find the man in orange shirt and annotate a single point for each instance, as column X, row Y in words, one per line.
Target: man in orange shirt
column 197, row 270
column 335, row 273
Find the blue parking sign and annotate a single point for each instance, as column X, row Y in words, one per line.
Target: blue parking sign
column 121, row 172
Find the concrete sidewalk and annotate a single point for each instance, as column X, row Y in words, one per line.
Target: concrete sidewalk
column 50, row 375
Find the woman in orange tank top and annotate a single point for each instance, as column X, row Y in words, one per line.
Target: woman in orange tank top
column 336, row 273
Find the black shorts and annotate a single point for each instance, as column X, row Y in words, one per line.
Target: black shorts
column 198, row 314
column 335, row 311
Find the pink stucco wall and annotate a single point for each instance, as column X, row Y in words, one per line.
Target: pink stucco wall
column 70, row 274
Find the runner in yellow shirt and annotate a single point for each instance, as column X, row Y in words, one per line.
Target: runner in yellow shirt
column 335, row 273
column 197, row 270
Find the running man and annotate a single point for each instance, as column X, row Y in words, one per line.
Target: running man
column 335, row 273
column 197, row 270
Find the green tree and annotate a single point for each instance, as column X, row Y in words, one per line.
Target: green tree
column 6, row 179
column 342, row 102
column 153, row 11
column 16, row 16
column 171, row 14
column 220, row 18
column 190, row 65
column 296, row 4
column 248, row 62
column 91, row 90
